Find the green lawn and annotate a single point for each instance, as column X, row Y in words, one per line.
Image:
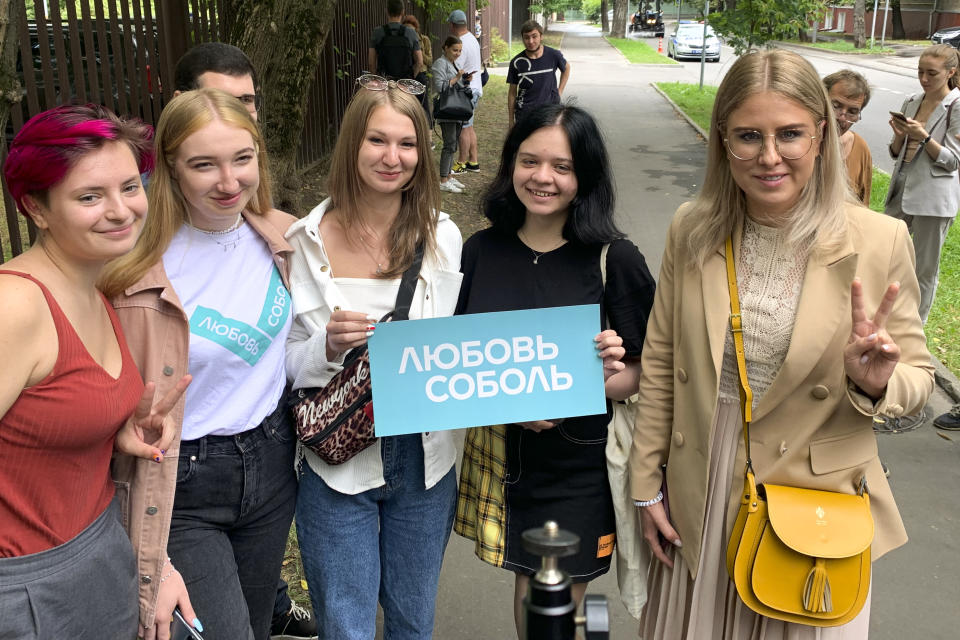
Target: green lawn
column 639, row 52
column 696, row 103
column 943, row 325
column 843, row 46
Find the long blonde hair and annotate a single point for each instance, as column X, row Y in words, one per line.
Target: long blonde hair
column 420, row 204
column 182, row 117
column 721, row 205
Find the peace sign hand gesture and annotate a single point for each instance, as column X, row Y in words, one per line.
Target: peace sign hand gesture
column 149, row 431
column 871, row 354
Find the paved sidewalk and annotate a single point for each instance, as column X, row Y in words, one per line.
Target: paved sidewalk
column 658, row 162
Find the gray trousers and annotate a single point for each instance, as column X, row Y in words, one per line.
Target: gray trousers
column 451, row 137
column 84, row 588
column 929, row 235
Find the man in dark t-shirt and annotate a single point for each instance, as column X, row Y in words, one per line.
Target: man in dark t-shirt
column 394, row 47
column 532, row 73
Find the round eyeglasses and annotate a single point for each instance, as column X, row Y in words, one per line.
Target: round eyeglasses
column 850, row 114
column 379, row 83
column 791, row 144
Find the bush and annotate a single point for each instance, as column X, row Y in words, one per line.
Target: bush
column 499, row 49
column 591, row 10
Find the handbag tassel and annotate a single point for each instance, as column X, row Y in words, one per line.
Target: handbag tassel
column 816, row 591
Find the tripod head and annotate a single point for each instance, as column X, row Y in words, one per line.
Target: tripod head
column 549, row 609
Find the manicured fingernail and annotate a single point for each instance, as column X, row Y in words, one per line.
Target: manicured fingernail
column 369, row 333
column 371, row 327
column 677, row 543
column 872, row 337
column 864, row 358
column 372, row 320
column 196, row 624
column 163, row 452
column 885, row 347
column 157, row 458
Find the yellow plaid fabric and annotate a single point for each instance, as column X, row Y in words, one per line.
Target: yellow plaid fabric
column 481, row 515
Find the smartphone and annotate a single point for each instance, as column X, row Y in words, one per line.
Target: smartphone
column 898, row 115
column 180, row 629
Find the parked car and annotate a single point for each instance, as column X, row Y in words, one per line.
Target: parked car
column 686, row 41
column 949, row 35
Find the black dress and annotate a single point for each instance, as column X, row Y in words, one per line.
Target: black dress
column 558, row 474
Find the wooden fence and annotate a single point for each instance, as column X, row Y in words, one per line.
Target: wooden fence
column 122, row 53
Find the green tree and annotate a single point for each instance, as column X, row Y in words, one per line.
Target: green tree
column 284, row 39
column 859, row 24
column 749, row 24
column 9, row 83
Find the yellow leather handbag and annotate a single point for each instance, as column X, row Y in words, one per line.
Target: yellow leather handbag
column 799, row 555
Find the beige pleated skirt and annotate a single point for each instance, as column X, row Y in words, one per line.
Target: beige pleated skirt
column 679, row 608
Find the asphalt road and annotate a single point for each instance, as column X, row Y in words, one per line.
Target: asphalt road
column 889, row 87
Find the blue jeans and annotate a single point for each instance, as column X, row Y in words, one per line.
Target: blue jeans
column 383, row 544
column 231, row 516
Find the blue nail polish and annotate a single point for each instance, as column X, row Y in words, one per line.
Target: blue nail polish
column 196, row 625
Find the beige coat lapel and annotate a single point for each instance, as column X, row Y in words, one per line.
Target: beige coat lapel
column 823, row 310
column 716, row 300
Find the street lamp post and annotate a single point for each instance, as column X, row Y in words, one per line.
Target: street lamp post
column 703, row 45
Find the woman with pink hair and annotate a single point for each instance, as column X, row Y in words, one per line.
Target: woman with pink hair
column 71, row 392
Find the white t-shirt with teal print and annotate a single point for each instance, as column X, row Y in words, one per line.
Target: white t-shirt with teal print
column 239, row 313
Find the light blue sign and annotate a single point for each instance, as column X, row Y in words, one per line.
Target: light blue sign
column 486, row 368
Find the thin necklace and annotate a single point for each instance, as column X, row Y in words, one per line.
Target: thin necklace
column 366, row 249
column 236, row 225
column 217, row 235
column 537, row 254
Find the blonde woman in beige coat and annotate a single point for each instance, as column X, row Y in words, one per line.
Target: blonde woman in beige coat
column 829, row 302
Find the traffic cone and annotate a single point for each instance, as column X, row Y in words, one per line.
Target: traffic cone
column 660, row 44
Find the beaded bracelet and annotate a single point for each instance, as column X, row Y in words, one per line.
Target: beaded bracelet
column 173, row 570
column 649, row 503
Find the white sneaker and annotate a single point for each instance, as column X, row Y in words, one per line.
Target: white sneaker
column 456, row 183
column 449, row 187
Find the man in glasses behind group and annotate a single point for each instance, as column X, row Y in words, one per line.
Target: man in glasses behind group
column 849, row 94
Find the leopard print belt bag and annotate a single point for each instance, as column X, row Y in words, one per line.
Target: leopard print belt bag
column 336, row 421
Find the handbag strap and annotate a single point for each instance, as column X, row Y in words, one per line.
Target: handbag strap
column 736, row 327
column 946, row 131
column 408, row 285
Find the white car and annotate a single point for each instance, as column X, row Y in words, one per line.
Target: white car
column 686, row 41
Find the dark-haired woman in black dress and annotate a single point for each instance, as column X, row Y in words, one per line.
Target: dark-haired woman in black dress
column 551, row 209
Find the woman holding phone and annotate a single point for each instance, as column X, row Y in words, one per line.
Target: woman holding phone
column 924, row 189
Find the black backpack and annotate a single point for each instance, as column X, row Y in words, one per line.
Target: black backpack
column 395, row 53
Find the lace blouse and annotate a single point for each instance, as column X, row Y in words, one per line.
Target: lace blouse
column 769, row 278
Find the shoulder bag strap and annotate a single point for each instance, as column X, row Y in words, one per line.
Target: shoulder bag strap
column 736, row 326
column 408, row 284
column 949, row 113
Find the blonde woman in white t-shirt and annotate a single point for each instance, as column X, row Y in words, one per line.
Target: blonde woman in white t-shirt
column 204, row 291
column 378, row 524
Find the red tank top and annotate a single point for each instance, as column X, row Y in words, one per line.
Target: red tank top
column 56, row 442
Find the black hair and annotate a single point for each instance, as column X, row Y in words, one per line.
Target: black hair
column 590, row 220
column 394, row 8
column 217, row 57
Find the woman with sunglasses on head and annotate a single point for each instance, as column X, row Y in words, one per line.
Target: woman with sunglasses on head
column 828, row 302
column 446, row 74
column 924, row 190
column 204, row 291
column 551, row 207
column 66, row 565
column 376, row 526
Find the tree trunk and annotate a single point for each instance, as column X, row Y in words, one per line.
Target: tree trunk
column 618, row 28
column 283, row 39
column 604, row 20
column 859, row 24
column 898, row 31
column 9, row 82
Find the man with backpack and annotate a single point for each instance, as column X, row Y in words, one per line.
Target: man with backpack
column 394, row 47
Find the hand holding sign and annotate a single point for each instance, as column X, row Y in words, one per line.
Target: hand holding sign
column 610, row 348
column 347, row 330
